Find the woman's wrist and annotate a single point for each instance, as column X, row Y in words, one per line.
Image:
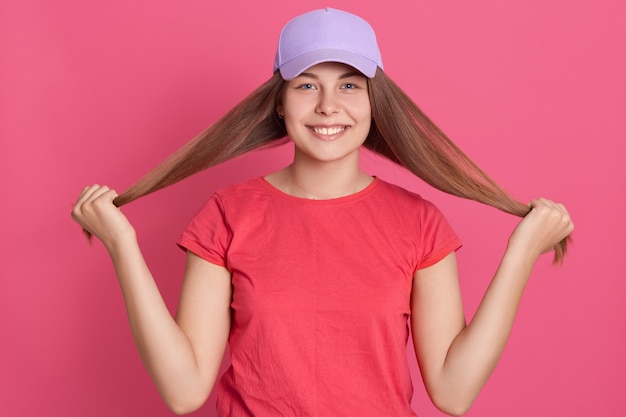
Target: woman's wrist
column 121, row 243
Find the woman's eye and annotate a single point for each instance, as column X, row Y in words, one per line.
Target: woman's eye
column 349, row 86
column 306, row 86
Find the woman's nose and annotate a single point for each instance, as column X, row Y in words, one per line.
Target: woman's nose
column 328, row 103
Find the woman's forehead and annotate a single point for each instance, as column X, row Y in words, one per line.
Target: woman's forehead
column 338, row 69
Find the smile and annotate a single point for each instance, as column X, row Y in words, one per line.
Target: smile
column 328, row 131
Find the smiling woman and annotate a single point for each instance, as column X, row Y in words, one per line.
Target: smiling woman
column 313, row 273
column 327, row 115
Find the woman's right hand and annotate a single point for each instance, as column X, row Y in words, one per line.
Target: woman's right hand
column 95, row 212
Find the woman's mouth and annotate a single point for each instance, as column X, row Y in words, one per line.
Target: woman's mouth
column 328, row 131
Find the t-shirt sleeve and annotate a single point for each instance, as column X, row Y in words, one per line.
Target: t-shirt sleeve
column 208, row 234
column 438, row 237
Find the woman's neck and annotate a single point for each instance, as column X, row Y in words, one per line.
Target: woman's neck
column 320, row 180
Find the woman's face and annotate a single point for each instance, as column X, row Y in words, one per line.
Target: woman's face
column 327, row 112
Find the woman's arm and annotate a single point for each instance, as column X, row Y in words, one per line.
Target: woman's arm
column 183, row 356
column 457, row 359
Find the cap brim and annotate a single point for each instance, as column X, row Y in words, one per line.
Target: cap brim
column 290, row 70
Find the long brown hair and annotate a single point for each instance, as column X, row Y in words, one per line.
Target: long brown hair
column 400, row 132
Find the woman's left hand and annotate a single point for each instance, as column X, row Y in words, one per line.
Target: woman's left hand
column 542, row 228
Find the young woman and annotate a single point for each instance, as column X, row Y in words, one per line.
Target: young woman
column 313, row 273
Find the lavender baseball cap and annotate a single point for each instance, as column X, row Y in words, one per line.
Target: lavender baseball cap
column 327, row 35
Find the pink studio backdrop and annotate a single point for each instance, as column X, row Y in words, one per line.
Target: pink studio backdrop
column 102, row 91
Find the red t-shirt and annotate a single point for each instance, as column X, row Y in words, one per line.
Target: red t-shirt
column 321, row 296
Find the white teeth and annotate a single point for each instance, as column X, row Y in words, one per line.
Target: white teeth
column 328, row 131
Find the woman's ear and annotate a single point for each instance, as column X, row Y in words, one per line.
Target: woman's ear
column 279, row 110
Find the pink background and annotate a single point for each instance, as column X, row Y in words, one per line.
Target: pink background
column 101, row 91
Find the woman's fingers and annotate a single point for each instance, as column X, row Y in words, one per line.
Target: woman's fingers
column 544, row 226
column 90, row 195
column 100, row 197
column 95, row 212
column 85, row 193
column 553, row 215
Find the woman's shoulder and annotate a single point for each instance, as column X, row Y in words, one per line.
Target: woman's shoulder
column 252, row 185
column 400, row 199
column 400, row 194
column 253, row 192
